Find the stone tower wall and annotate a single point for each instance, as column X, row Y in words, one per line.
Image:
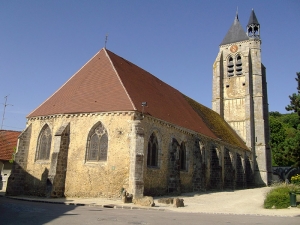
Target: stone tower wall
column 243, row 99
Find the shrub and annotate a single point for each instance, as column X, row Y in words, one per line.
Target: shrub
column 279, row 196
column 295, row 179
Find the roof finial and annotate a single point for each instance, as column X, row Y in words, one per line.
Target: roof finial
column 237, row 13
column 106, row 36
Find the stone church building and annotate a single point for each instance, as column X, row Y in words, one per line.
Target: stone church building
column 114, row 126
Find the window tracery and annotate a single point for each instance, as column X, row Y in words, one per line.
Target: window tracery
column 152, row 155
column 44, row 144
column 97, row 144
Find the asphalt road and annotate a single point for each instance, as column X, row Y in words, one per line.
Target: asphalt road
column 23, row 212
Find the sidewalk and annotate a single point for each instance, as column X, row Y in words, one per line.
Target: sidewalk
column 249, row 201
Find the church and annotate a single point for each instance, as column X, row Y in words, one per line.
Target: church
column 114, row 126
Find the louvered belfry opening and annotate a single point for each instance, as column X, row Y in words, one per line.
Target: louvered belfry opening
column 238, row 65
column 230, row 67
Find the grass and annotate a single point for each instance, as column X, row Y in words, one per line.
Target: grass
column 279, row 196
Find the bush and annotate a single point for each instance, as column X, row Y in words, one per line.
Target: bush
column 279, row 196
column 295, row 179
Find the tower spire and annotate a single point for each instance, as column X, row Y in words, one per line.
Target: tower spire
column 235, row 33
column 253, row 27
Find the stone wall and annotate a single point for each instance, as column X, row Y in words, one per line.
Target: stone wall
column 16, row 182
column 82, row 178
column 209, row 165
column 59, row 163
column 242, row 101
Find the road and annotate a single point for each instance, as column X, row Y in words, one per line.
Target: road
column 17, row 212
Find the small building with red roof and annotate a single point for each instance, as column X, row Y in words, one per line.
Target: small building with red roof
column 8, row 145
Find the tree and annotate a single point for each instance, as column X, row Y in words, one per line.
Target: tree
column 277, row 137
column 285, row 132
column 292, row 143
column 295, row 99
column 284, row 138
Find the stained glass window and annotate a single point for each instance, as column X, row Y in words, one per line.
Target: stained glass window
column 97, row 144
column 44, row 144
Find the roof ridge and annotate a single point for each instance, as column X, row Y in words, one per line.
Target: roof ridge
column 119, row 78
column 129, row 62
column 64, row 83
column 10, row 131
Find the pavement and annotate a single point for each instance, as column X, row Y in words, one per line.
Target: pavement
column 239, row 202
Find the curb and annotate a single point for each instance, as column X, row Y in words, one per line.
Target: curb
column 109, row 206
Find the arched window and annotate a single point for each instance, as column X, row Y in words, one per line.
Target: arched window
column 230, row 67
column 152, row 156
column 238, row 65
column 97, row 144
column 182, row 157
column 44, row 144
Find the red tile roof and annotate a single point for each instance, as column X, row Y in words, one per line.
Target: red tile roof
column 110, row 83
column 94, row 88
column 8, row 141
column 164, row 102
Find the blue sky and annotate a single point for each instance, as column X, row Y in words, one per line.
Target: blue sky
column 43, row 43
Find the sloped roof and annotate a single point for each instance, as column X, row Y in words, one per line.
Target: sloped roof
column 109, row 82
column 8, row 141
column 252, row 19
column 217, row 124
column 236, row 33
column 96, row 87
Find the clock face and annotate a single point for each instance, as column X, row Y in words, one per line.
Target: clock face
column 234, row 48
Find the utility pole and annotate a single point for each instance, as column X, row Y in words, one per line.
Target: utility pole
column 5, row 104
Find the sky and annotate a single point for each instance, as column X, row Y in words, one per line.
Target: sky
column 43, row 43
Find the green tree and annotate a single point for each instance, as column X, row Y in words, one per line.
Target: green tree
column 277, row 138
column 295, row 98
column 292, row 143
column 284, row 138
column 285, row 132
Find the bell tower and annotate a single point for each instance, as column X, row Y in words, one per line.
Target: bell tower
column 240, row 92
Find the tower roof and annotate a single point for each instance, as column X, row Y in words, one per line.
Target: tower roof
column 252, row 19
column 108, row 82
column 236, row 33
